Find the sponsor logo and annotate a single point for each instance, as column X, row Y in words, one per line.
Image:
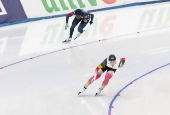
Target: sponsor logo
column 154, row 18
column 2, row 9
column 109, row 1
column 56, row 5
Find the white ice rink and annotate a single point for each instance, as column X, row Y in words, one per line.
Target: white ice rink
column 35, row 84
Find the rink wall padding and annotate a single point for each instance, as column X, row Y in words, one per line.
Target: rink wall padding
column 17, row 15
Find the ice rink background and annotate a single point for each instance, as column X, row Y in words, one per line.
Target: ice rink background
column 48, row 84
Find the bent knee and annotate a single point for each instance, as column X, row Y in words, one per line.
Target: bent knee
column 108, row 76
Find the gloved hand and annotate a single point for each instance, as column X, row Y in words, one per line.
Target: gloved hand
column 91, row 22
column 122, row 62
column 66, row 26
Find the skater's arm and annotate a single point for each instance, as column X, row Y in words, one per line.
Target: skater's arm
column 121, row 63
column 92, row 16
column 69, row 15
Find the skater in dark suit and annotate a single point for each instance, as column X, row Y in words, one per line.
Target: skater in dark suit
column 82, row 17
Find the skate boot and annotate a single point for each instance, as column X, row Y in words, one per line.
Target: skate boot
column 68, row 40
column 78, row 35
column 99, row 91
column 82, row 90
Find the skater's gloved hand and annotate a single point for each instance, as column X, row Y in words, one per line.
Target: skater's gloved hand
column 122, row 62
column 91, row 22
column 66, row 26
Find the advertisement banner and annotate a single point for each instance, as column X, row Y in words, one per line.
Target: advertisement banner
column 40, row 8
column 15, row 10
column 11, row 10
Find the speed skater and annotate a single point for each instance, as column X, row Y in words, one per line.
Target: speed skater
column 110, row 64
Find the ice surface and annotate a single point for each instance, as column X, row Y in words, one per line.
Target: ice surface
column 48, row 85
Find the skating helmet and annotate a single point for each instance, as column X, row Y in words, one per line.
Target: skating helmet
column 78, row 12
column 112, row 57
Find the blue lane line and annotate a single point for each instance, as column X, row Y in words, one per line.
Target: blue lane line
column 78, row 46
column 15, row 63
column 113, row 100
column 96, row 10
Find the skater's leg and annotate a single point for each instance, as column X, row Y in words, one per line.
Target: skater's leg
column 81, row 27
column 98, row 73
column 108, row 75
column 74, row 24
column 97, row 76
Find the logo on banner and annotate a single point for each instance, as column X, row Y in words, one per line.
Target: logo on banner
column 52, row 5
column 109, row 1
column 2, row 9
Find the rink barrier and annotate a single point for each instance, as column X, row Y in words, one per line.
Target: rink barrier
column 96, row 10
column 115, row 97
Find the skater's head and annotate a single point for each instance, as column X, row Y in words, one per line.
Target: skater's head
column 78, row 16
column 78, row 13
column 112, row 59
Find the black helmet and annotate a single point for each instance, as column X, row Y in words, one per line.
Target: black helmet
column 78, row 12
column 112, row 57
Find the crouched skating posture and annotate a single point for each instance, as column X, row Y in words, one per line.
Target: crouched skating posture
column 110, row 64
column 81, row 16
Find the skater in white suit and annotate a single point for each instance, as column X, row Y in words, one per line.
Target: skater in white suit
column 110, row 64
